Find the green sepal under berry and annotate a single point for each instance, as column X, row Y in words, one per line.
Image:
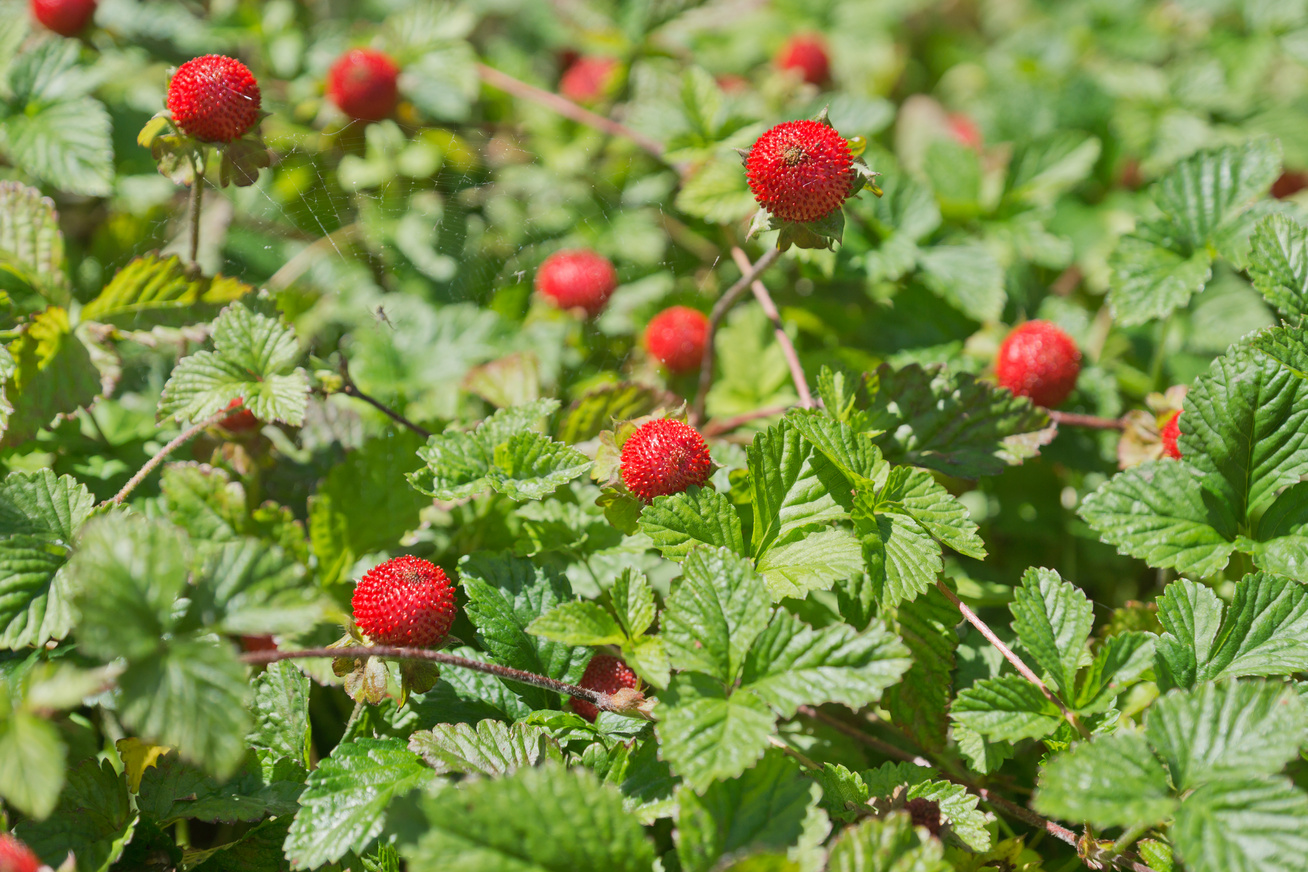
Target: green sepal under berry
column 179, row 155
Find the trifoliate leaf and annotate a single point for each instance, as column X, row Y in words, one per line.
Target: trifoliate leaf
column 1008, row 708
column 489, row 748
column 153, row 291
column 1110, row 781
column 716, row 613
column 707, row 735
column 1243, row 826
column 1053, row 620
column 697, row 516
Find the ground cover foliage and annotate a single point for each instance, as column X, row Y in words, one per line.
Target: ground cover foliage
column 911, row 622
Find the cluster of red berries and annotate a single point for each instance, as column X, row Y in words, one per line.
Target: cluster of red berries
column 664, row 456
column 1039, row 361
column 406, row 602
column 607, row 674
column 64, row 17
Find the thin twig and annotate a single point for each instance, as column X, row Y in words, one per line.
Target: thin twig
column 597, row 698
column 715, row 318
column 1072, row 419
column 350, row 389
column 853, row 732
column 566, row 108
column 725, row 425
column 1025, row 671
column 162, row 453
column 197, row 200
column 770, row 309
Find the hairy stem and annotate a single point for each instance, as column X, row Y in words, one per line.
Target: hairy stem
column 770, row 309
column 725, row 425
column 1023, row 670
column 597, row 698
column 715, row 318
column 1072, row 419
column 163, row 453
column 197, row 201
column 350, row 389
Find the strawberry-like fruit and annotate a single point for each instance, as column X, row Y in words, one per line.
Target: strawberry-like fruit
column 801, row 171
column 1039, row 361
column 676, row 337
column 965, row 131
column 64, row 17
column 1289, row 183
column 1170, row 432
column 214, row 98
column 17, row 857
column 405, row 601
column 362, row 84
column 662, row 457
column 807, row 55
column 577, row 279
column 588, row 79
column 607, row 675
column 239, row 421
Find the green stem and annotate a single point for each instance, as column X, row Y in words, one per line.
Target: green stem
column 1127, row 839
column 197, row 201
column 1160, row 353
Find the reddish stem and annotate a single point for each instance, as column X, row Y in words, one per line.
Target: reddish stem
column 770, row 309
column 1072, row 419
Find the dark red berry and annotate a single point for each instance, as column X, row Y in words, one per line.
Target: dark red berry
column 925, row 813
column 588, row 79
column 362, row 84
column 64, row 17
column 577, row 279
column 1170, row 432
column 1289, row 183
column 807, row 55
column 214, row 98
column 676, row 337
column 1039, row 361
column 800, row 170
column 664, row 457
column 607, row 675
column 15, row 856
column 404, row 601
column 240, row 421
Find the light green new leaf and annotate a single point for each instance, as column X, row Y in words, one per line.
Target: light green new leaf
column 489, row 748
column 578, row 623
column 1278, row 264
column 1191, row 614
column 1110, row 781
column 714, row 615
column 31, row 245
column 344, row 806
column 1053, row 620
column 1119, row 663
column 707, row 735
column 53, row 374
column 1226, row 729
column 1243, row 826
column 697, row 516
column 788, row 491
column 815, row 562
column 531, row 466
column 1007, row 708
column 633, row 601
column 791, row 664
column 889, row 844
column 1150, row 279
column 153, row 291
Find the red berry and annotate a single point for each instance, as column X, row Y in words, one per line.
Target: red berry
column 808, row 56
column 17, row 857
column 664, row 457
column 607, row 675
column 588, row 79
column 214, row 98
column 1289, row 183
column 965, row 131
column 577, row 279
column 362, row 83
column 404, row 601
column 239, row 421
column 925, row 813
column 64, row 17
column 800, row 170
column 1039, row 361
column 676, row 338
column 1171, row 432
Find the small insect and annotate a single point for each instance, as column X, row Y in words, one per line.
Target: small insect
column 382, row 317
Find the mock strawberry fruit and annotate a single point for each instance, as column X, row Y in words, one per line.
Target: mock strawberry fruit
column 1039, row 361
column 588, row 79
column 240, row 421
column 1287, row 184
column 676, row 337
column 17, row 857
column 1170, row 432
column 577, row 279
column 363, row 84
column 405, row 601
column 801, row 171
column 662, row 457
column 965, row 131
column 64, row 17
column 607, row 675
column 806, row 55
column 214, row 98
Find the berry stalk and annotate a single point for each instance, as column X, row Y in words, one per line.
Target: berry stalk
column 197, row 201
column 350, row 389
column 162, row 454
column 1094, row 422
column 787, row 347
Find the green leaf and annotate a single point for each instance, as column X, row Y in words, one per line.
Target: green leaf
column 1008, row 708
column 789, row 494
column 155, row 291
column 716, row 192
column 707, row 735
column 344, row 806
column 791, row 664
column 94, row 819
column 31, row 245
column 1226, row 729
column 256, row 589
column 697, row 516
column 1243, row 826
column 254, row 358
column 714, row 616
column 1191, row 614
column 950, row 422
column 889, row 844
column 1278, row 264
column 281, row 712
column 967, row 277
column 602, row 408
column 53, row 375
column 916, row 494
column 578, row 623
column 1120, row 662
column 1110, row 781
column 259, row 850
column 32, row 761
column 172, row 791
column 1053, row 620
column 67, row 144
column 1205, row 191
column 648, row 657
column 1163, row 513
column 815, row 562
column 547, row 819
column 531, row 466
column 633, row 601
column 41, row 504
column 1287, row 345
column 854, row 455
column 490, row 748
column 966, row 827
column 763, row 808
column 918, row 705
column 1043, row 169
column 1151, row 280
column 902, row 559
